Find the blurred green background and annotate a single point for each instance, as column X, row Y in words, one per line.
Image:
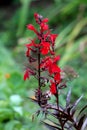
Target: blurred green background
column 68, row 18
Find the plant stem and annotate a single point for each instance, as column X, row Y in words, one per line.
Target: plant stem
column 57, row 97
column 39, row 71
column 39, row 84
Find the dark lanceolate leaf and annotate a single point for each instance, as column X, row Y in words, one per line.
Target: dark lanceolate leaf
column 69, row 126
column 73, row 113
column 56, row 124
column 82, row 109
column 76, row 103
column 68, row 98
column 50, row 125
column 84, row 125
column 52, row 122
column 81, row 121
column 69, row 109
column 52, row 114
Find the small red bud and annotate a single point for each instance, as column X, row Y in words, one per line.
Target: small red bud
column 45, row 20
column 30, row 27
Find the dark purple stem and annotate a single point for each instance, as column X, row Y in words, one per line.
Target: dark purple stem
column 39, row 75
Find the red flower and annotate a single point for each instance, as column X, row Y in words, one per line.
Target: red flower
column 56, row 58
column 31, row 27
column 31, row 47
column 53, row 37
column 50, row 64
column 45, row 20
column 53, row 68
column 26, row 74
column 39, row 19
column 57, row 77
column 45, row 47
column 36, row 15
column 44, row 27
column 28, row 52
column 28, row 48
column 53, row 88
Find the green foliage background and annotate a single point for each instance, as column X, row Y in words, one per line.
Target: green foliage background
column 68, row 18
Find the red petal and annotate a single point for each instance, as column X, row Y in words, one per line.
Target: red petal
column 56, row 58
column 45, row 48
column 44, row 51
column 31, row 27
column 36, row 15
column 26, row 75
column 53, row 37
column 45, row 20
column 28, row 52
column 54, row 69
column 57, row 77
column 29, row 45
column 44, row 27
column 53, row 88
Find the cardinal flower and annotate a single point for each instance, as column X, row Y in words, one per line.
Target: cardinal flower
column 53, row 37
column 31, row 47
column 57, row 77
column 50, row 64
column 31, row 27
column 26, row 74
column 44, row 27
column 53, row 88
column 53, row 68
column 45, row 47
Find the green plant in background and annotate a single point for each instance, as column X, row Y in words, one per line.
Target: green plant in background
column 24, row 11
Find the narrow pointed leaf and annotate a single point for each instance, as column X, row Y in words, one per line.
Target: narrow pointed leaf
column 51, row 125
column 73, row 113
column 81, row 121
column 68, row 98
column 84, row 125
column 82, row 109
column 76, row 102
column 54, row 122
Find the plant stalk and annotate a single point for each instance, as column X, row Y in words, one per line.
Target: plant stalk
column 39, row 75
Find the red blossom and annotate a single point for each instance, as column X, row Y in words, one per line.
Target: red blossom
column 45, row 20
column 57, row 77
column 52, row 52
column 31, row 27
column 26, row 74
column 45, row 44
column 56, row 59
column 36, row 15
column 45, row 47
column 44, row 27
column 53, row 68
column 28, row 49
column 28, row 52
column 53, row 37
column 44, row 61
column 50, row 64
column 31, row 47
column 53, row 88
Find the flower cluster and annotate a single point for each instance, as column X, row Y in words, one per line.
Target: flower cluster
column 41, row 53
column 44, row 49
